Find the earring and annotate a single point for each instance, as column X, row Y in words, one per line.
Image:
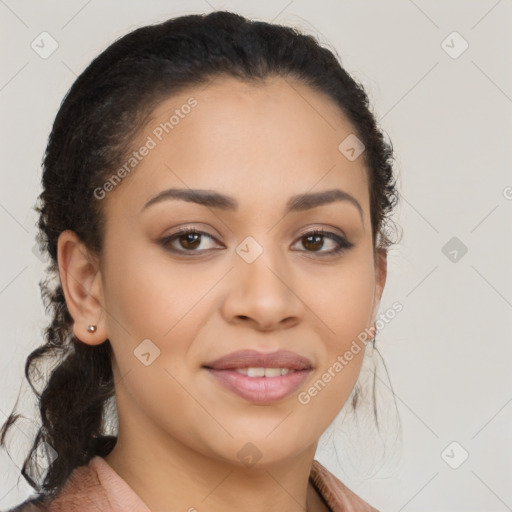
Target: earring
column 91, row 328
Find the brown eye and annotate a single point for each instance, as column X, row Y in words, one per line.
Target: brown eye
column 315, row 241
column 187, row 240
column 190, row 240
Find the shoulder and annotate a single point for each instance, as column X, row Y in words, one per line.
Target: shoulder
column 335, row 493
column 81, row 491
column 37, row 504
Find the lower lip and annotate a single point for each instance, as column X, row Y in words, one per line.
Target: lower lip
column 261, row 390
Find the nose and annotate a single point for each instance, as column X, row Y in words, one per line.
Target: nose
column 262, row 296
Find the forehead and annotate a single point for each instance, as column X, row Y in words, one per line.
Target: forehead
column 252, row 140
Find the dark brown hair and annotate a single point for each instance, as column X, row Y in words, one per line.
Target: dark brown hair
column 97, row 122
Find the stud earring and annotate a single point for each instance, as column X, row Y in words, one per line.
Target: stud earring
column 91, row 328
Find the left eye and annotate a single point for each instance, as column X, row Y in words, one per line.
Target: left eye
column 315, row 240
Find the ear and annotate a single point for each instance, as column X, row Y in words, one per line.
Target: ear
column 81, row 283
column 381, row 270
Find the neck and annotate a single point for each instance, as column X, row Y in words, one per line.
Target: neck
column 168, row 475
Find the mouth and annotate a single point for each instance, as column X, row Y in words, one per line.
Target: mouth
column 261, row 378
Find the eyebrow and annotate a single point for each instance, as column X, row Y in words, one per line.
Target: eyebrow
column 212, row 199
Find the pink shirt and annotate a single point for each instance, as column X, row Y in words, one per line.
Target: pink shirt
column 96, row 487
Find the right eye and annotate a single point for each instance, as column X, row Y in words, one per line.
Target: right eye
column 189, row 240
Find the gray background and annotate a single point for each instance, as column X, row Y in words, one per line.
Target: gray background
column 448, row 352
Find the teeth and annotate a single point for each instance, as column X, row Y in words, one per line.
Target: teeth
column 264, row 372
column 256, row 372
column 273, row 372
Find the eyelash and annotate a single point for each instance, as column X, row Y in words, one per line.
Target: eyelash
column 344, row 244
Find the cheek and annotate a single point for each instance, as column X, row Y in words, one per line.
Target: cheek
column 343, row 349
column 345, row 307
column 147, row 299
column 344, row 300
column 146, row 294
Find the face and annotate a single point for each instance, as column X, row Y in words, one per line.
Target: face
column 252, row 274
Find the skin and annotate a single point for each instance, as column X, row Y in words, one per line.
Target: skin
column 179, row 430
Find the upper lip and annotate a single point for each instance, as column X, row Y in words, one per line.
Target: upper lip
column 255, row 359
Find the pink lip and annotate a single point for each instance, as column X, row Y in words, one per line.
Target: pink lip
column 255, row 359
column 261, row 390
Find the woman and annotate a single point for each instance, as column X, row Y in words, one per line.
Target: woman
column 216, row 201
